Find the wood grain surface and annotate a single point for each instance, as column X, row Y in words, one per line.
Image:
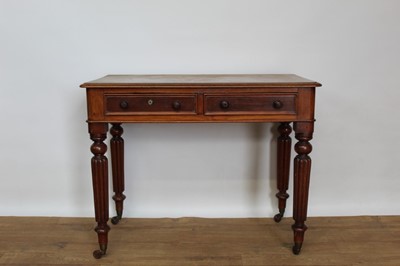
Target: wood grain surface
column 200, row 241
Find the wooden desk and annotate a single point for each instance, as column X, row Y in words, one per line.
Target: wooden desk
column 118, row 99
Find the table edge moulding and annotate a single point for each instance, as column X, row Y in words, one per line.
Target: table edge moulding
column 279, row 98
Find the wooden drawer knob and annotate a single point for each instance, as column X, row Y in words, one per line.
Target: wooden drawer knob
column 123, row 104
column 224, row 104
column 176, row 105
column 277, row 104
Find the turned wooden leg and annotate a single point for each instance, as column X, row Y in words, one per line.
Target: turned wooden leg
column 302, row 168
column 98, row 133
column 283, row 167
column 117, row 162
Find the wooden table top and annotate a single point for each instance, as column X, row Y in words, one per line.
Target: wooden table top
column 264, row 80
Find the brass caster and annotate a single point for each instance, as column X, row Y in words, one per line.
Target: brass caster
column 116, row 219
column 296, row 249
column 97, row 254
column 278, row 217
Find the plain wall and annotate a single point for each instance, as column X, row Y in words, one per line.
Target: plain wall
column 48, row 48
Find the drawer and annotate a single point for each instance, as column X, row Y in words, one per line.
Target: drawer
column 250, row 104
column 145, row 104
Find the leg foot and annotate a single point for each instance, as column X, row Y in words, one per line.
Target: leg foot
column 97, row 254
column 278, row 217
column 116, row 219
column 296, row 249
column 282, row 196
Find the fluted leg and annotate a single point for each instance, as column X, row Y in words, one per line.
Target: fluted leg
column 117, row 161
column 98, row 133
column 283, row 167
column 302, row 168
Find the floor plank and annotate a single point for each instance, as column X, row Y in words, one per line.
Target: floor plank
column 368, row 240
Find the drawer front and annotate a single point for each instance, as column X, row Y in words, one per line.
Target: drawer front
column 250, row 104
column 145, row 104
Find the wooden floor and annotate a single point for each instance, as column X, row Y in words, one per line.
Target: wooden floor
column 198, row 241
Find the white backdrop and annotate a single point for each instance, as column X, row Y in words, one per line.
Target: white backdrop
column 48, row 48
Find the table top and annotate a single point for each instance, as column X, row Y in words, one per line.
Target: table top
column 264, row 80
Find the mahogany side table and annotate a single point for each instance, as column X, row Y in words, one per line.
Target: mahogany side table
column 282, row 98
